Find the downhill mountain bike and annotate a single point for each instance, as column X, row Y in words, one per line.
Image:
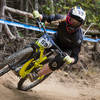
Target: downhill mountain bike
column 30, row 60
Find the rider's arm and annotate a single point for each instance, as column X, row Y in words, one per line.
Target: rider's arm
column 73, row 58
column 76, row 50
column 52, row 17
column 49, row 18
column 75, row 54
column 77, row 47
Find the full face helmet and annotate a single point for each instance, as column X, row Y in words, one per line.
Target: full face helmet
column 75, row 18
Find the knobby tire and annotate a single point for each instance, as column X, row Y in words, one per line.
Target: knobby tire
column 33, row 84
column 11, row 59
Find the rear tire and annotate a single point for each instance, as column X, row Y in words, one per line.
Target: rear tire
column 14, row 59
column 4, row 70
column 21, row 82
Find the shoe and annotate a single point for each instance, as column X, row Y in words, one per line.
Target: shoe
column 33, row 76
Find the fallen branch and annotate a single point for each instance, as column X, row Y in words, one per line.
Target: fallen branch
column 15, row 28
column 8, row 32
column 23, row 13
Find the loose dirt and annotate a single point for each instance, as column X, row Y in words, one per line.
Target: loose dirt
column 59, row 86
column 80, row 84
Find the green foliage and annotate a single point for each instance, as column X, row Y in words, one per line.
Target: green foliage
column 92, row 8
column 20, row 34
column 46, row 9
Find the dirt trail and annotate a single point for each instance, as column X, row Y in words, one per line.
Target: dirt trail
column 53, row 88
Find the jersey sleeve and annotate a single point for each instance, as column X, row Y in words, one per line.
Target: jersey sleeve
column 75, row 53
column 52, row 17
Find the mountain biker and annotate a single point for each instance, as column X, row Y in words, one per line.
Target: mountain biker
column 69, row 37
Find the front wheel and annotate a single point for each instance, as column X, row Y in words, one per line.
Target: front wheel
column 14, row 59
column 25, row 84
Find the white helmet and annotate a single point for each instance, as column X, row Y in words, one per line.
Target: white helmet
column 78, row 13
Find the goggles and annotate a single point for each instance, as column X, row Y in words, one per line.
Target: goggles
column 72, row 24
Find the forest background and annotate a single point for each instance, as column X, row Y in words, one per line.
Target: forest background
column 92, row 7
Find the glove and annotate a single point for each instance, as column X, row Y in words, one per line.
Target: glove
column 36, row 14
column 68, row 59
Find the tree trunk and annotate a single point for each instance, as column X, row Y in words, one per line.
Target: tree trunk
column 52, row 6
column 8, row 32
column 16, row 11
column 22, row 4
column 15, row 31
column 26, row 19
column 36, row 4
column 2, row 10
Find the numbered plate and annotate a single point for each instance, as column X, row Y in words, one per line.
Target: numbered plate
column 45, row 41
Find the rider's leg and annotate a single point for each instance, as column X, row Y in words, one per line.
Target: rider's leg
column 44, row 71
column 53, row 65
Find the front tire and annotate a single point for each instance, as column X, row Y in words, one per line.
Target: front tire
column 14, row 59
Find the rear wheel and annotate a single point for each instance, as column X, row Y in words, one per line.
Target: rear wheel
column 25, row 84
column 14, row 59
column 4, row 70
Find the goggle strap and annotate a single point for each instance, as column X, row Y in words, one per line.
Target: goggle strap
column 68, row 19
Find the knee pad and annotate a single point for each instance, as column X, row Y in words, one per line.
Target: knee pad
column 56, row 63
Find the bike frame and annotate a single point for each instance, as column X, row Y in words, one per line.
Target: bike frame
column 37, row 63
